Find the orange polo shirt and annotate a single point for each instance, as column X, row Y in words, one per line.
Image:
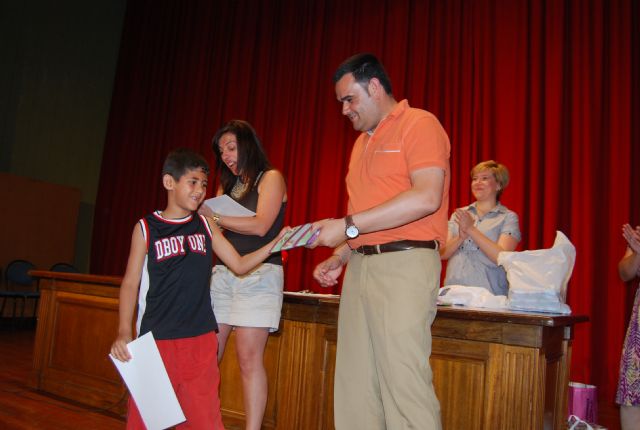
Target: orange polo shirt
column 406, row 140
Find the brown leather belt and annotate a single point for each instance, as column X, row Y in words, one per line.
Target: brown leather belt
column 401, row 245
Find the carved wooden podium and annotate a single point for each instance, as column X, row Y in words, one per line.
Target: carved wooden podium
column 491, row 370
column 77, row 322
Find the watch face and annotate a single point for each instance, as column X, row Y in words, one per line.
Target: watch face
column 352, row 232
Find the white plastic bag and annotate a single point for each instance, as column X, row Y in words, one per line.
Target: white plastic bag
column 575, row 423
column 538, row 279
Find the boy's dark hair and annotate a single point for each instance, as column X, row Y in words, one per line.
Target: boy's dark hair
column 251, row 156
column 364, row 67
column 181, row 160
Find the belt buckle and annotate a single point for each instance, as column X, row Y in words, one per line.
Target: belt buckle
column 377, row 249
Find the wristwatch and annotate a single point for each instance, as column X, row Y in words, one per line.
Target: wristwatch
column 351, row 231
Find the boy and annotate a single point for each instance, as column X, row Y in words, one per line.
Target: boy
column 168, row 271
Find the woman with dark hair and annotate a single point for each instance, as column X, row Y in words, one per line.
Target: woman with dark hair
column 480, row 231
column 249, row 304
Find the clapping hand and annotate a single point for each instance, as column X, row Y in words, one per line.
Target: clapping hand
column 632, row 236
column 465, row 220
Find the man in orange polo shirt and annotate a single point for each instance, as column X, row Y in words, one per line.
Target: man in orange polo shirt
column 398, row 186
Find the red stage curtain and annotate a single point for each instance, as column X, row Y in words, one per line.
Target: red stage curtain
column 545, row 87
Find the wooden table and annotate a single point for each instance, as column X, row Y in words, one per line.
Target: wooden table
column 491, row 370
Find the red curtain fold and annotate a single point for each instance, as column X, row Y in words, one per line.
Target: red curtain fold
column 548, row 88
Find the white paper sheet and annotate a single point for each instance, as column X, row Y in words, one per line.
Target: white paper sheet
column 225, row 205
column 148, row 383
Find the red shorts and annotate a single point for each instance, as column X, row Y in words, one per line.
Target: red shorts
column 192, row 366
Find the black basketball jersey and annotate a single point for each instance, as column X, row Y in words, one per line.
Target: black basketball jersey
column 174, row 299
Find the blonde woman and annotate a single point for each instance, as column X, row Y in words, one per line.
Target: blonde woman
column 480, row 231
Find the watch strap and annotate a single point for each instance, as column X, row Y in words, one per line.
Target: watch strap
column 348, row 221
column 349, row 225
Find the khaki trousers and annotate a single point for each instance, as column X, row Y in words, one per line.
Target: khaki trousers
column 383, row 379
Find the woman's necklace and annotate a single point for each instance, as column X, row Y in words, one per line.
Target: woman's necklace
column 238, row 188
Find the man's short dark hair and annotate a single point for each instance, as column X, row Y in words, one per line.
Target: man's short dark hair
column 181, row 160
column 364, row 67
